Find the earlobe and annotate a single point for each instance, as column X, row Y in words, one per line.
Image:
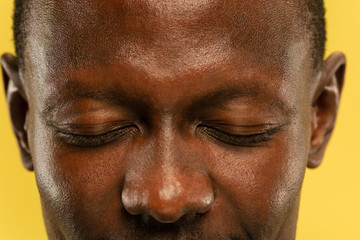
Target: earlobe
column 18, row 106
column 325, row 106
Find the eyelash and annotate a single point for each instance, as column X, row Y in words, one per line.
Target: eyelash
column 250, row 140
column 120, row 133
column 97, row 140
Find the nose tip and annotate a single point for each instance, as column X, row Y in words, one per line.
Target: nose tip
column 168, row 202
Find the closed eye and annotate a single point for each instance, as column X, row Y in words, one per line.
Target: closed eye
column 245, row 140
column 97, row 140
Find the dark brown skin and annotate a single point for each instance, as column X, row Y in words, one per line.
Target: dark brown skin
column 170, row 119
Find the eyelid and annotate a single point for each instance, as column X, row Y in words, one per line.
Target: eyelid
column 98, row 140
column 245, row 140
column 94, row 135
column 91, row 129
column 241, row 130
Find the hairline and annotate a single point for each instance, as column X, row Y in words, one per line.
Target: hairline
column 312, row 16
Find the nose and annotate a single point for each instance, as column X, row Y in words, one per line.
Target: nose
column 168, row 194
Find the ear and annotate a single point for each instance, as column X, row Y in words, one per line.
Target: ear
column 18, row 106
column 325, row 106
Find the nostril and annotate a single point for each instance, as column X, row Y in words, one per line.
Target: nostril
column 205, row 203
column 134, row 201
column 167, row 211
column 166, row 214
column 168, row 201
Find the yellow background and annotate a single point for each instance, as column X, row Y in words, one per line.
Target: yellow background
column 330, row 206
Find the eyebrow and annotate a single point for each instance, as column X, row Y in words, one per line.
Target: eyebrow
column 76, row 90
column 117, row 96
column 225, row 94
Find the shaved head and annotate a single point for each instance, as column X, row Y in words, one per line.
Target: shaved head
column 307, row 15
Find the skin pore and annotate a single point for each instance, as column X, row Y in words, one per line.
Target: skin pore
column 170, row 119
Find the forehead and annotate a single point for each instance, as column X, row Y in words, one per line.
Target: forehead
column 165, row 49
column 185, row 33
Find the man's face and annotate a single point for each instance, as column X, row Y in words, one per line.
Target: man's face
column 168, row 119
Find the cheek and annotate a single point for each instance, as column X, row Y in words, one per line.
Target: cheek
column 79, row 187
column 261, row 184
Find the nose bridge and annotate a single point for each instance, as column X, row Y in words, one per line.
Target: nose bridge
column 169, row 186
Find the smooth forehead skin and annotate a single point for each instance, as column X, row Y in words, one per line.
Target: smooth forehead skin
column 126, row 30
column 141, row 112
